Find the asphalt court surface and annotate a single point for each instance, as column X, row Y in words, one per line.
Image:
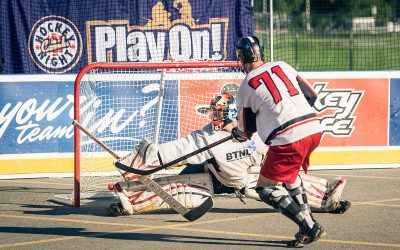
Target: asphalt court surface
column 28, row 220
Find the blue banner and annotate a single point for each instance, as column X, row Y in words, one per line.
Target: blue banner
column 35, row 117
column 63, row 36
column 394, row 124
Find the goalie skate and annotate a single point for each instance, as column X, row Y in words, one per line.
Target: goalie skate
column 342, row 207
column 116, row 209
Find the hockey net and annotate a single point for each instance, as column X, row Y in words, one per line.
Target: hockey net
column 122, row 103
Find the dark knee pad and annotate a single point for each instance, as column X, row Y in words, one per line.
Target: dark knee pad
column 274, row 196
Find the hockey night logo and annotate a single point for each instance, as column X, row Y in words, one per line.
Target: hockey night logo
column 55, row 44
column 159, row 39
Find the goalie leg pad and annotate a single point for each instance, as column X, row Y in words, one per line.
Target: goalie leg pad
column 316, row 189
column 145, row 154
column 334, row 193
column 190, row 190
column 323, row 195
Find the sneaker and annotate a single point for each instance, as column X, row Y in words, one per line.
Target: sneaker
column 297, row 242
column 342, row 207
column 116, row 209
column 302, row 237
column 300, row 233
column 316, row 233
column 302, row 230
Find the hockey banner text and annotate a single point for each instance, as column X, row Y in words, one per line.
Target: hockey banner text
column 63, row 36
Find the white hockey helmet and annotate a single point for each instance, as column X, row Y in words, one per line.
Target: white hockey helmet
column 223, row 111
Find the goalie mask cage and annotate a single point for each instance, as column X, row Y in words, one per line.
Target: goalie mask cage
column 122, row 103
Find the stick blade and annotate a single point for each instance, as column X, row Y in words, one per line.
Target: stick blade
column 198, row 212
column 125, row 168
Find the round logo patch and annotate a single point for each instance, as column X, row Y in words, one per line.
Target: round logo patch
column 55, row 44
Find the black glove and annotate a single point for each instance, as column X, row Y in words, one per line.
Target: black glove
column 238, row 135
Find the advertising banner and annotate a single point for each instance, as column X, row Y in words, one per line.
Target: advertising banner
column 347, row 107
column 63, row 36
column 394, row 124
column 361, row 121
column 36, row 117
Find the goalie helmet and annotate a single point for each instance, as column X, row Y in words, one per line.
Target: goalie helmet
column 230, row 88
column 223, row 111
column 249, row 50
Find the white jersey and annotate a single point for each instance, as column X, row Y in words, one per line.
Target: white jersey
column 271, row 102
column 232, row 158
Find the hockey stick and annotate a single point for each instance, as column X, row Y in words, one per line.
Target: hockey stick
column 189, row 214
column 171, row 163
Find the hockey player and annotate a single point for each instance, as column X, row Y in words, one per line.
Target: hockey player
column 277, row 103
column 229, row 167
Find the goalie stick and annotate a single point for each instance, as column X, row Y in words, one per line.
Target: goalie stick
column 171, row 163
column 189, row 214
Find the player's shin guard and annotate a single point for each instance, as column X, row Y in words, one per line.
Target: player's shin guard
column 278, row 197
column 298, row 194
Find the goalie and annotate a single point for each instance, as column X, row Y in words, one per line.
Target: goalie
column 228, row 167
